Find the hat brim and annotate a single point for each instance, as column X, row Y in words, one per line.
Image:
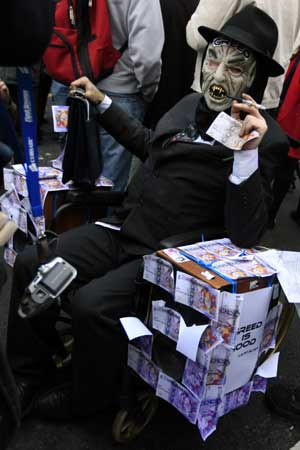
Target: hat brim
column 273, row 68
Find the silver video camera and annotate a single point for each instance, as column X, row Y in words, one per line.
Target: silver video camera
column 51, row 280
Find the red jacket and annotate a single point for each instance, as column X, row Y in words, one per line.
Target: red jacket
column 289, row 112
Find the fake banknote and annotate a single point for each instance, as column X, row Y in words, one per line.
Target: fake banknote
column 236, row 399
column 259, row 384
column 270, row 329
column 208, row 412
column 143, row 366
column 11, row 206
column 9, row 256
column 226, row 331
column 256, row 268
column 145, row 344
column 159, row 271
column 229, row 270
column 222, row 248
column 198, row 254
column 175, row 255
column 196, row 294
column 210, row 339
column 230, row 309
column 219, row 361
column 226, row 130
column 165, row 320
column 178, row 396
column 194, row 377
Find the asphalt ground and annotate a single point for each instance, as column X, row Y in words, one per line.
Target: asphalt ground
column 252, row 427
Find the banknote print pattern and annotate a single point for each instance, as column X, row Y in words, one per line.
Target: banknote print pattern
column 201, row 394
column 159, row 272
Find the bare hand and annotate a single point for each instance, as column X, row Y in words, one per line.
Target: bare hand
column 253, row 121
column 90, row 91
column 4, row 93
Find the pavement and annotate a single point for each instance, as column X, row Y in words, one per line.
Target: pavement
column 253, row 427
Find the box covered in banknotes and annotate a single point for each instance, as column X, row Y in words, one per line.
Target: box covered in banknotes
column 16, row 205
column 206, row 345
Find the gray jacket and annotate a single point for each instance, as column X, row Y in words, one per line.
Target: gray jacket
column 138, row 22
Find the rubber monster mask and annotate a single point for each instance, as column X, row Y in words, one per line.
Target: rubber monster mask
column 228, row 69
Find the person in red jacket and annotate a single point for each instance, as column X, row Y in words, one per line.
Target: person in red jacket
column 289, row 119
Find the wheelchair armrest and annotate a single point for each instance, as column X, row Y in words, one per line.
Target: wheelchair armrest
column 96, row 197
column 190, row 237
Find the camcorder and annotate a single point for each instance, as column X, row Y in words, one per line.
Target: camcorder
column 50, row 282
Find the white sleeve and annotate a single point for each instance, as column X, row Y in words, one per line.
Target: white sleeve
column 245, row 163
column 104, row 105
column 213, row 14
column 145, row 44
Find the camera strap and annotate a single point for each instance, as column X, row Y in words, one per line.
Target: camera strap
column 29, row 133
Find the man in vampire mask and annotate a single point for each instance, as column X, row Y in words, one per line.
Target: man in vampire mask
column 187, row 182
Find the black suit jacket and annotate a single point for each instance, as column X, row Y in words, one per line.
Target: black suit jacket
column 184, row 186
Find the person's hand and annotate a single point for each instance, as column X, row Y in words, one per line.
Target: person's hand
column 253, row 121
column 90, row 91
column 4, row 93
column 7, row 228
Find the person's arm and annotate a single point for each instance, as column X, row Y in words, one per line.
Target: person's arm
column 247, row 197
column 213, row 14
column 129, row 132
column 145, row 43
column 7, row 101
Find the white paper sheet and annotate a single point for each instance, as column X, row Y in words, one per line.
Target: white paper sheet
column 249, row 335
column 134, row 327
column 288, row 266
column 189, row 339
column 269, row 368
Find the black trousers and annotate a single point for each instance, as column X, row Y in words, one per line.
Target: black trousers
column 105, row 288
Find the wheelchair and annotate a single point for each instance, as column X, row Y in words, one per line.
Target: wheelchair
column 138, row 403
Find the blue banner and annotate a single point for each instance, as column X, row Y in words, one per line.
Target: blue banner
column 29, row 132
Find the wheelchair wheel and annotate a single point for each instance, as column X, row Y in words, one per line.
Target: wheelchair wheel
column 129, row 424
column 284, row 324
column 285, row 321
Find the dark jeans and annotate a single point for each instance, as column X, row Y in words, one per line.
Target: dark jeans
column 105, row 288
column 5, row 154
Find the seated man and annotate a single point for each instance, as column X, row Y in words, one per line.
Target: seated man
column 188, row 181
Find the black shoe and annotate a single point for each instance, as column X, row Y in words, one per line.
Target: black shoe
column 295, row 216
column 56, row 403
column 284, row 401
column 28, row 392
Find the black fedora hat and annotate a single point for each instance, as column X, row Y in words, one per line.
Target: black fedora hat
column 254, row 29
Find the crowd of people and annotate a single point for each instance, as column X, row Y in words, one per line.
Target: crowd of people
column 181, row 63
